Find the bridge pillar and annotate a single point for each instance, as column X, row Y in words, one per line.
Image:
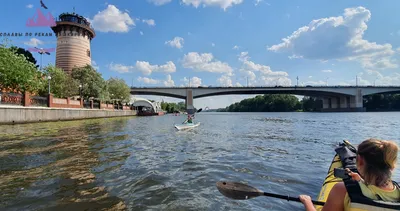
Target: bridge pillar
column 344, row 103
column 326, row 103
column 189, row 102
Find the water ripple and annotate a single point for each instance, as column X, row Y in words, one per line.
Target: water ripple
column 145, row 164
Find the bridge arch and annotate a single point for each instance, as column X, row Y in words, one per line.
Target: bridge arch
column 141, row 102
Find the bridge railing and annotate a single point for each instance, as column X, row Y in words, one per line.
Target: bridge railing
column 275, row 86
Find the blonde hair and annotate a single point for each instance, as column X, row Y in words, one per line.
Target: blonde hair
column 380, row 157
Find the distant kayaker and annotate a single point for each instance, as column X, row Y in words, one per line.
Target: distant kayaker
column 189, row 119
column 376, row 160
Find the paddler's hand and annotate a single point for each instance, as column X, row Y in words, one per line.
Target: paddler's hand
column 306, row 200
column 354, row 176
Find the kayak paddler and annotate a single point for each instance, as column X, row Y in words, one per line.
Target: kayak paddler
column 188, row 120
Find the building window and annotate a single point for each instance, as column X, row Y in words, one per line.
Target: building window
column 88, row 53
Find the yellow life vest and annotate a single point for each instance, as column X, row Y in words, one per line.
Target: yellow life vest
column 360, row 197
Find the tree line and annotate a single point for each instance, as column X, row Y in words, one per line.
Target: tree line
column 287, row 103
column 173, row 107
column 19, row 73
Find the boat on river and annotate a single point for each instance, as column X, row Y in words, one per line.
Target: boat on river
column 186, row 126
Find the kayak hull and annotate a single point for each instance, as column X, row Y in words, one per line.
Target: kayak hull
column 187, row 126
column 329, row 182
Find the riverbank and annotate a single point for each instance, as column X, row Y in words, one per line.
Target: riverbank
column 21, row 114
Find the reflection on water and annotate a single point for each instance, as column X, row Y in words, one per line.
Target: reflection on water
column 49, row 165
column 145, row 164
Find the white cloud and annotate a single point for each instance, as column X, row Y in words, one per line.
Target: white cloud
column 146, row 68
column 224, row 4
column 149, row 22
column 326, row 71
column 264, row 69
column 338, row 38
column 244, row 56
column 205, row 62
column 148, row 80
column 393, row 79
column 119, row 68
column 194, row 81
column 266, row 75
column 310, row 76
column 159, row 2
column 177, row 42
column 235, row 47
column 225, row 80
column 257, row 2
column 112, row 20
column 94, row 65
column 30, row 6
column 33, row 42
column 315, row 83
column 169, row 82
column 271, row 81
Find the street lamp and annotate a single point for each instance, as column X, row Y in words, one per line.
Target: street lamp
column 49, row 78
column 356, row 80
column 327, row 81
column 80, row 90
column 41, row 52
column 375, row 80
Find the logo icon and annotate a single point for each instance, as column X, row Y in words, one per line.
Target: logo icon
column 41, row 20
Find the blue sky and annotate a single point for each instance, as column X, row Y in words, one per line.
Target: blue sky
column 226, row 42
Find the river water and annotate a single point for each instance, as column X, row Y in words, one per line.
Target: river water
column 143, row 163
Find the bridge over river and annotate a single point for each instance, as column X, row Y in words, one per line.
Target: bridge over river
column 334, row 98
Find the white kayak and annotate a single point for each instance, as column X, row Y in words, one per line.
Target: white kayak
column 187, row 126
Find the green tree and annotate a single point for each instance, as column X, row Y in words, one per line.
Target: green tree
column 118, row 89
column 17, row 73
column 61, row 84
column 93, row 85
column 28, row 55
column 266, row 103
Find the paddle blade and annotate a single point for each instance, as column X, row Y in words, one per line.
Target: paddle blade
column 239, row 191
column 199, row 110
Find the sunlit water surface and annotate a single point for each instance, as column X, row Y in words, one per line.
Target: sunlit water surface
column 144, row 163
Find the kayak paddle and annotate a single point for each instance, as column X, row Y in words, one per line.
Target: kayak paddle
column 239, row 191
column 199, row 110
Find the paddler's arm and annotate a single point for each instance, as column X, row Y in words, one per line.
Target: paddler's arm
column 335, row 201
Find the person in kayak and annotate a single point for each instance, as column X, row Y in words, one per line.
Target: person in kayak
column 375, row 161
column 188, row 120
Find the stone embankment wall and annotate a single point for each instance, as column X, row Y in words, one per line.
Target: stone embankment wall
column 15, row 115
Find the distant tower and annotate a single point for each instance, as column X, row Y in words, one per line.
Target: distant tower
column 74, row 35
